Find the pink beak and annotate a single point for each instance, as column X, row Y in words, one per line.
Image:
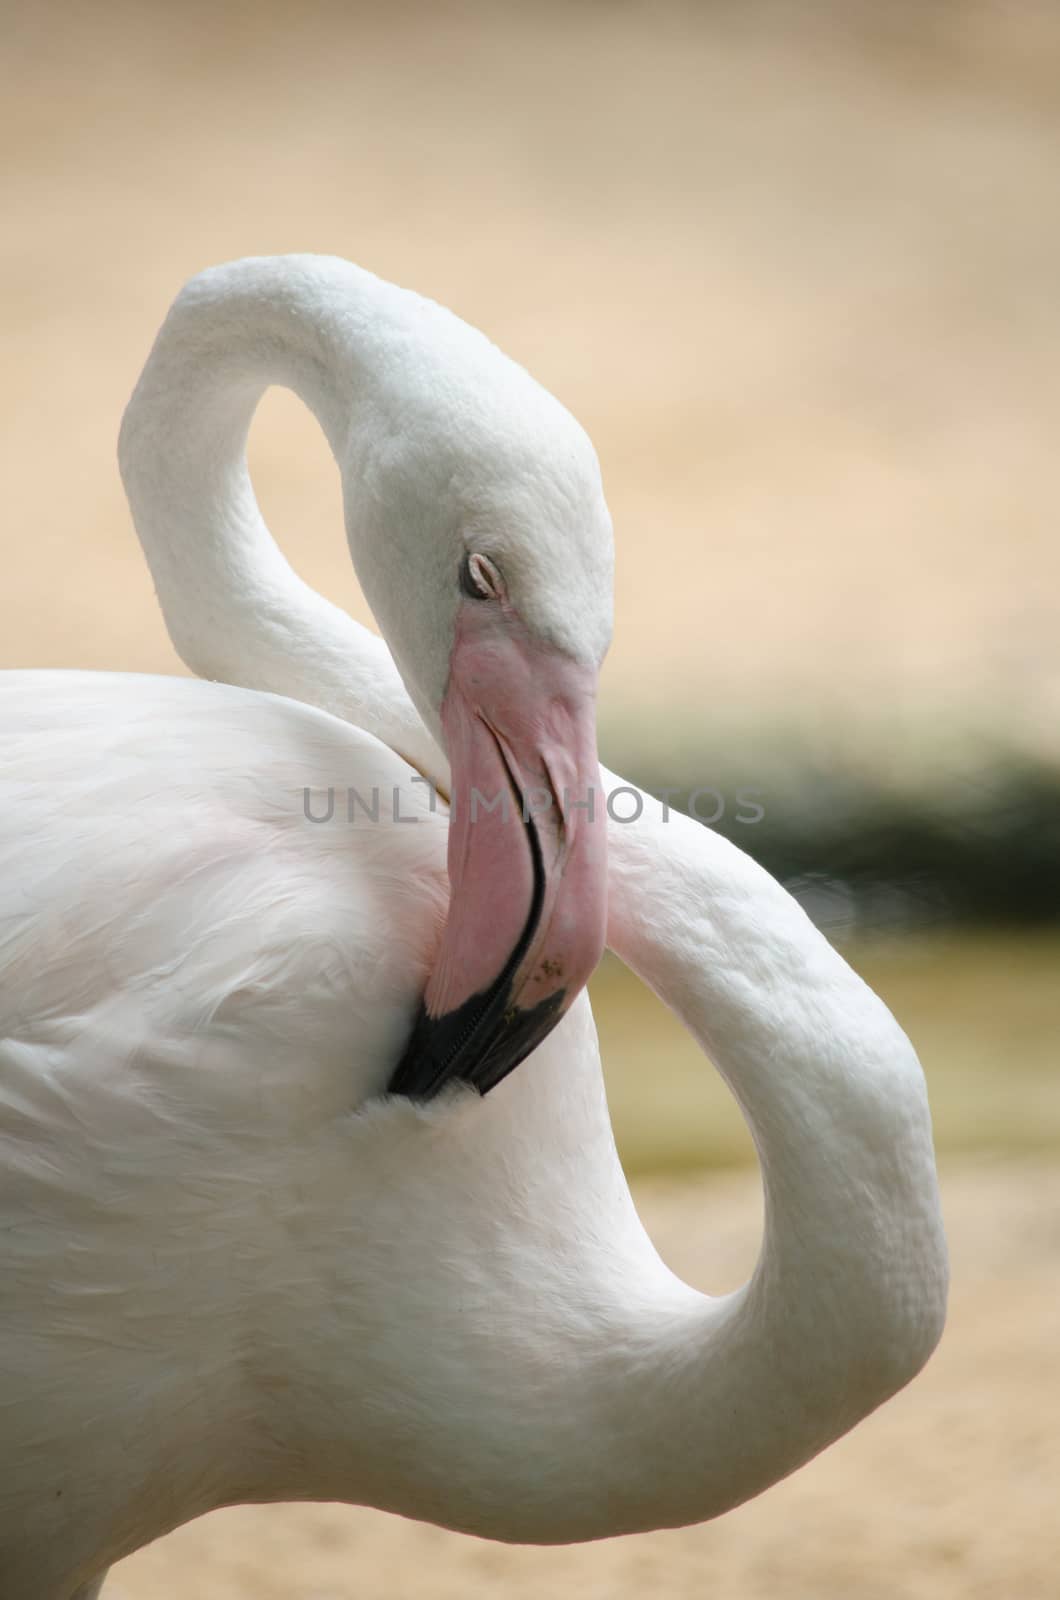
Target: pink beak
column 527, row 857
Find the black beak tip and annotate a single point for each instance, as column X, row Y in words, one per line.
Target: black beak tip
column 467, row 1046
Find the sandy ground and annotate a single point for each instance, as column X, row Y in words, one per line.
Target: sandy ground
column 947, row 1493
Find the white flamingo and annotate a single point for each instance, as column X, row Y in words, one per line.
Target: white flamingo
column 234, row 1268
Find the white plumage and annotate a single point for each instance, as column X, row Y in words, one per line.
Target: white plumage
column 233, row 1268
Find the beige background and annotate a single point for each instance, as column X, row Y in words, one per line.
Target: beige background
column 796, row 268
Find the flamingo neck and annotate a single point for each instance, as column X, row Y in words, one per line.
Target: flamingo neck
column 235, row 609
column 530, row 1370
column 848, row 1297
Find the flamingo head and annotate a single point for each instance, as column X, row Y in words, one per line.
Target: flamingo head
column 484, row 544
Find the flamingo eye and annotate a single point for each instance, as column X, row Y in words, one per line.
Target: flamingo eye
column 479, row 578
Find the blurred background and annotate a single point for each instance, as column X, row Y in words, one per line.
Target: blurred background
column 796, row 267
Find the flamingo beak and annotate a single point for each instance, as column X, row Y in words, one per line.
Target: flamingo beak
column 527, row 858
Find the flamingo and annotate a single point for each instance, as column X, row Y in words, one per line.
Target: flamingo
column 279, row 1219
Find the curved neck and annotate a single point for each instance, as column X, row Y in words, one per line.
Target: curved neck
column 848, row 1296
column 234, row 607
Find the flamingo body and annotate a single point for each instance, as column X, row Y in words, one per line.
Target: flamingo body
column 234, row 1266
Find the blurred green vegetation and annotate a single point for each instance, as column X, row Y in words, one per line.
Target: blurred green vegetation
column 968, row 841
column 982, row 1008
